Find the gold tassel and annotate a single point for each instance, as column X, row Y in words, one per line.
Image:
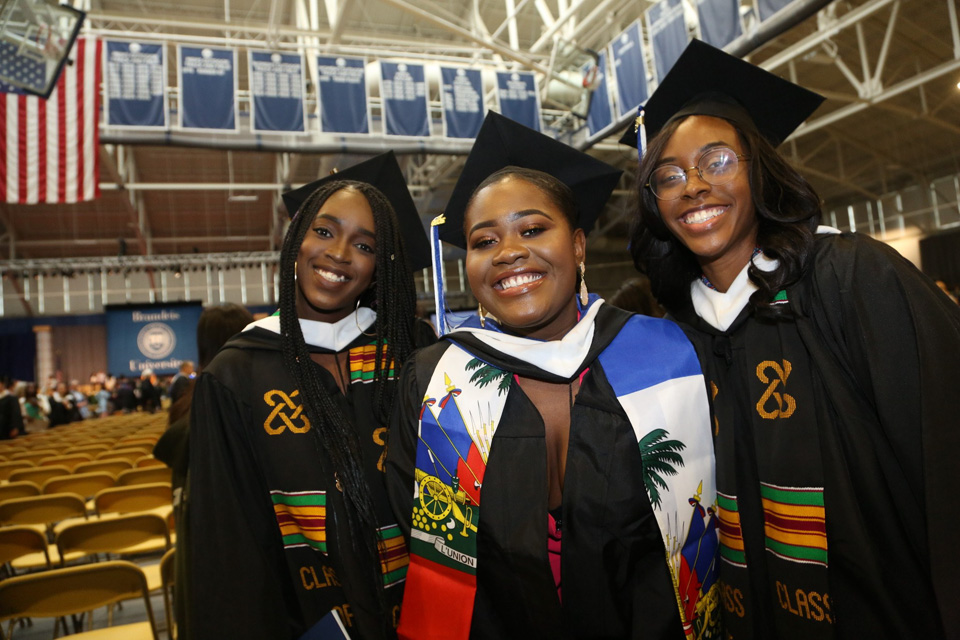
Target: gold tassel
column 583, row 285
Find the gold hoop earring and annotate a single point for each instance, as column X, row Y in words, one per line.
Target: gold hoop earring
column 584, row 297
column 356, row 320
column 483, row 322
column 294, row 270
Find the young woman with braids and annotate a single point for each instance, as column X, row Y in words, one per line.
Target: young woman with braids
column 291, row 533
column 827, row 356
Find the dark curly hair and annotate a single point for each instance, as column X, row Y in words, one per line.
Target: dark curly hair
column 394, row 298
column 787, row 209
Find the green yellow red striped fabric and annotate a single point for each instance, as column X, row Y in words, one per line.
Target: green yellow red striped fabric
column 795, row 523
column 731, row 536
column 393, row 556
column 302, row 517
column 363, row 362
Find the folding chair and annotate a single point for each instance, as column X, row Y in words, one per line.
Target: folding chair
column 131, row 455
column 92, row 448
column 40, row 513
column 21, row 489
column 69, row 461
column 41, row 509
column 72, row 590
column 82, row 484
column 34, row 456
column 144, row 476
column 110, row 466
column 139, row 533
column 148, row 461
column 6, row 468
column 38, row 475
column 140, row 497
column 24, row 548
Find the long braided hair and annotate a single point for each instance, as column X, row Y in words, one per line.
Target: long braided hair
column 393, row 296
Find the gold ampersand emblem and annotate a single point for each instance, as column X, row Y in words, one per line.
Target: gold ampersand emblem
column 786, row 404
column 280, row 401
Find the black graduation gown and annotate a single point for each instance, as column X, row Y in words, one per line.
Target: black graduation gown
column 247, row 442
column 852, row 395
column 613, row 562
column 10, row 417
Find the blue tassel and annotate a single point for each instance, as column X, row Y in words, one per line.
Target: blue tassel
column 439, row 293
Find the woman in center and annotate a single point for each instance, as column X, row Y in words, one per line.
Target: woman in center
column 550, row 460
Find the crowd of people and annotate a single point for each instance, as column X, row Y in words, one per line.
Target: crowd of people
column 773, row 459
column 57, row 402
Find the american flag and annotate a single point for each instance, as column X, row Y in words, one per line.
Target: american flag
column 48, row 148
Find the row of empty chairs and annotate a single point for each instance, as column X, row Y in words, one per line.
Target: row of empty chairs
column 76, row 499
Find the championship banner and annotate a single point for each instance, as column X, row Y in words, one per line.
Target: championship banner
column 152, row 336
column 403, row 99
column 136, row 83
column 629, row 70
column 769, row 7
column 342, row 89
column 462, row 95
column 208, row 88
column 719, row 21
column 668, row 34
column 276, row 92
column 600, row 114
column 518, row 98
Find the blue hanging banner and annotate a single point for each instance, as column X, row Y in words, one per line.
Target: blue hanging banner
column 136, row 83
column 719, row 21
column 342, row 88
column 668, row 34
column 276, row 92
column 518, row 97
column 769, row 7
column 403, row 99
column 208, row 88
column 462, row 91
column 158, row 337
column 600, row 114
column 629, row 70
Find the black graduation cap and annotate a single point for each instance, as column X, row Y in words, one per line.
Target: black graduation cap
column 383, row 172
column 501, row 143
column 708, row 81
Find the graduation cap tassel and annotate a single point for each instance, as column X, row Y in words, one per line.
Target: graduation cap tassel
column 641, row 132
column 439, row 294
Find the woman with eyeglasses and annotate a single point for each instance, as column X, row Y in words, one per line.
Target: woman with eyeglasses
column 291, row 534
column 829, row 358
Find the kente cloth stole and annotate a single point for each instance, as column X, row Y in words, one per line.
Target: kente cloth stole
column 664, row 397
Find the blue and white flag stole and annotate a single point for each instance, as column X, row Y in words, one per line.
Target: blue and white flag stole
column 665, row 400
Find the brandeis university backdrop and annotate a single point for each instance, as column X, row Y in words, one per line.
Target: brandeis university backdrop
column 152, row 336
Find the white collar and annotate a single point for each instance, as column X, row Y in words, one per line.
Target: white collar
column 561, row 357
column 721, row 309
column 334, row 336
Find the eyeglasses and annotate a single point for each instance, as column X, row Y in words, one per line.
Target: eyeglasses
column 715, row 167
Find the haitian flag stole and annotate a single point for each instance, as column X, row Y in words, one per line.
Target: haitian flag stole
column 451, row 458
column 656, row 376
